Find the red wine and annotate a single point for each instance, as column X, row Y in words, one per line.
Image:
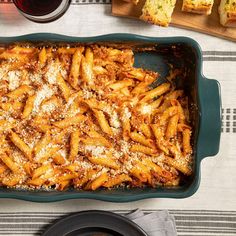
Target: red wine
column 37, row 7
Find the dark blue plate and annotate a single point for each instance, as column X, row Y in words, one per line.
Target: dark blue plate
column 94, row 223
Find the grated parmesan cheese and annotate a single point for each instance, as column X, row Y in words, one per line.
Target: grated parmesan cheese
column 31, row 144
column 124, row 146
column 95, row 150
column 87, row 94
column 146, row 109
column 48, row 107
column 70, row 101
column 45, row 92
column 126, row 114
column 62, row 152
column 3, row 72
column 117, row 154
column 36, row 78
column 3, row 99
column 85, row 165
column 114, row 121
column 134, row 101
column 159, row 159
column 52, row 72
column 108, row 110
column 13, row 79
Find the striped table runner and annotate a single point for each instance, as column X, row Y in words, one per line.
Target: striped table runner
column 188, row 222
column 209, row 212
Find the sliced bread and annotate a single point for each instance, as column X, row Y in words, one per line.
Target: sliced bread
column 158, row 12
column 227, row 11
column 198, row 6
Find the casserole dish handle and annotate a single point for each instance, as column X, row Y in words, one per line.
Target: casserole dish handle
column 210, row 118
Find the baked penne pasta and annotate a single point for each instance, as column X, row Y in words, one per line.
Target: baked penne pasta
column 63, row 87
column 43, row 57
column 75, row 68
column 102, row 122
column 98, row 182
column 9, row 163
column 74, row 144
column 23, row 89
column 85, row 117
column 29, row 105
column 158, row 91
column 104, row 161
column 76, row 120
column 18, row 142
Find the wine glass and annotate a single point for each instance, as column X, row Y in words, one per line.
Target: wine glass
column 42, row 10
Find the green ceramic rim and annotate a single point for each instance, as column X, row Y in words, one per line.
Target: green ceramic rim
column 208, row 138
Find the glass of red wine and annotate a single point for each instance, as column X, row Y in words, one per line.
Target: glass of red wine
column 42, row 10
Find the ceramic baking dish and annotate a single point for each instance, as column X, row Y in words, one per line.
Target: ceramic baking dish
column 204, row 95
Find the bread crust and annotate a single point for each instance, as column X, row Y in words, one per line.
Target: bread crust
column 227, row 11
column 199, row 9
column 231, row 20
column 146, row 16
column 132, row 1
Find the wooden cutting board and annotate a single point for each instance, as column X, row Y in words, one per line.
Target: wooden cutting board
column 201, row 23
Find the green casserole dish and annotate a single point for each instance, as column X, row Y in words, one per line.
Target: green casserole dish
column 204, row 95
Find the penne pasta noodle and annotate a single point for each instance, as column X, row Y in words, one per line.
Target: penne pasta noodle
column 67, row 177
column 3, row 168
column 104, row 161
column 121, row 84
column 146, row 130
column 63, row 87
column 79, row 182
column 76, row 120
column 59, row 159
column 156, row 103
column 9, row 163
column 42, row 143
column 158, row 91
column 41, row 124
column 28, row 106
column 160, row 141
column 23, row 89
column 141, row 172
column 11, row 180
column 87, row 67
column 171, row 130
column 102, row 122
column 18, row 142
column 36, row 182
column 28, row 167
column 154, row 167
column 98, row 182
column 40, row 171
column 136, row 73
column 96, row 141
column 167, row 114
column 43, row 57
column 74, row 144
column 117, row 180
column 140, row 88
column 75, row 68
column 142, row 139
column 6, row 125
column 187, row 149
column 142, row 149
column 179, row 164
column 47, row 153
column 66, row 50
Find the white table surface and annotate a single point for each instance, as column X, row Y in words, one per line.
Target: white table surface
column 217, row 191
